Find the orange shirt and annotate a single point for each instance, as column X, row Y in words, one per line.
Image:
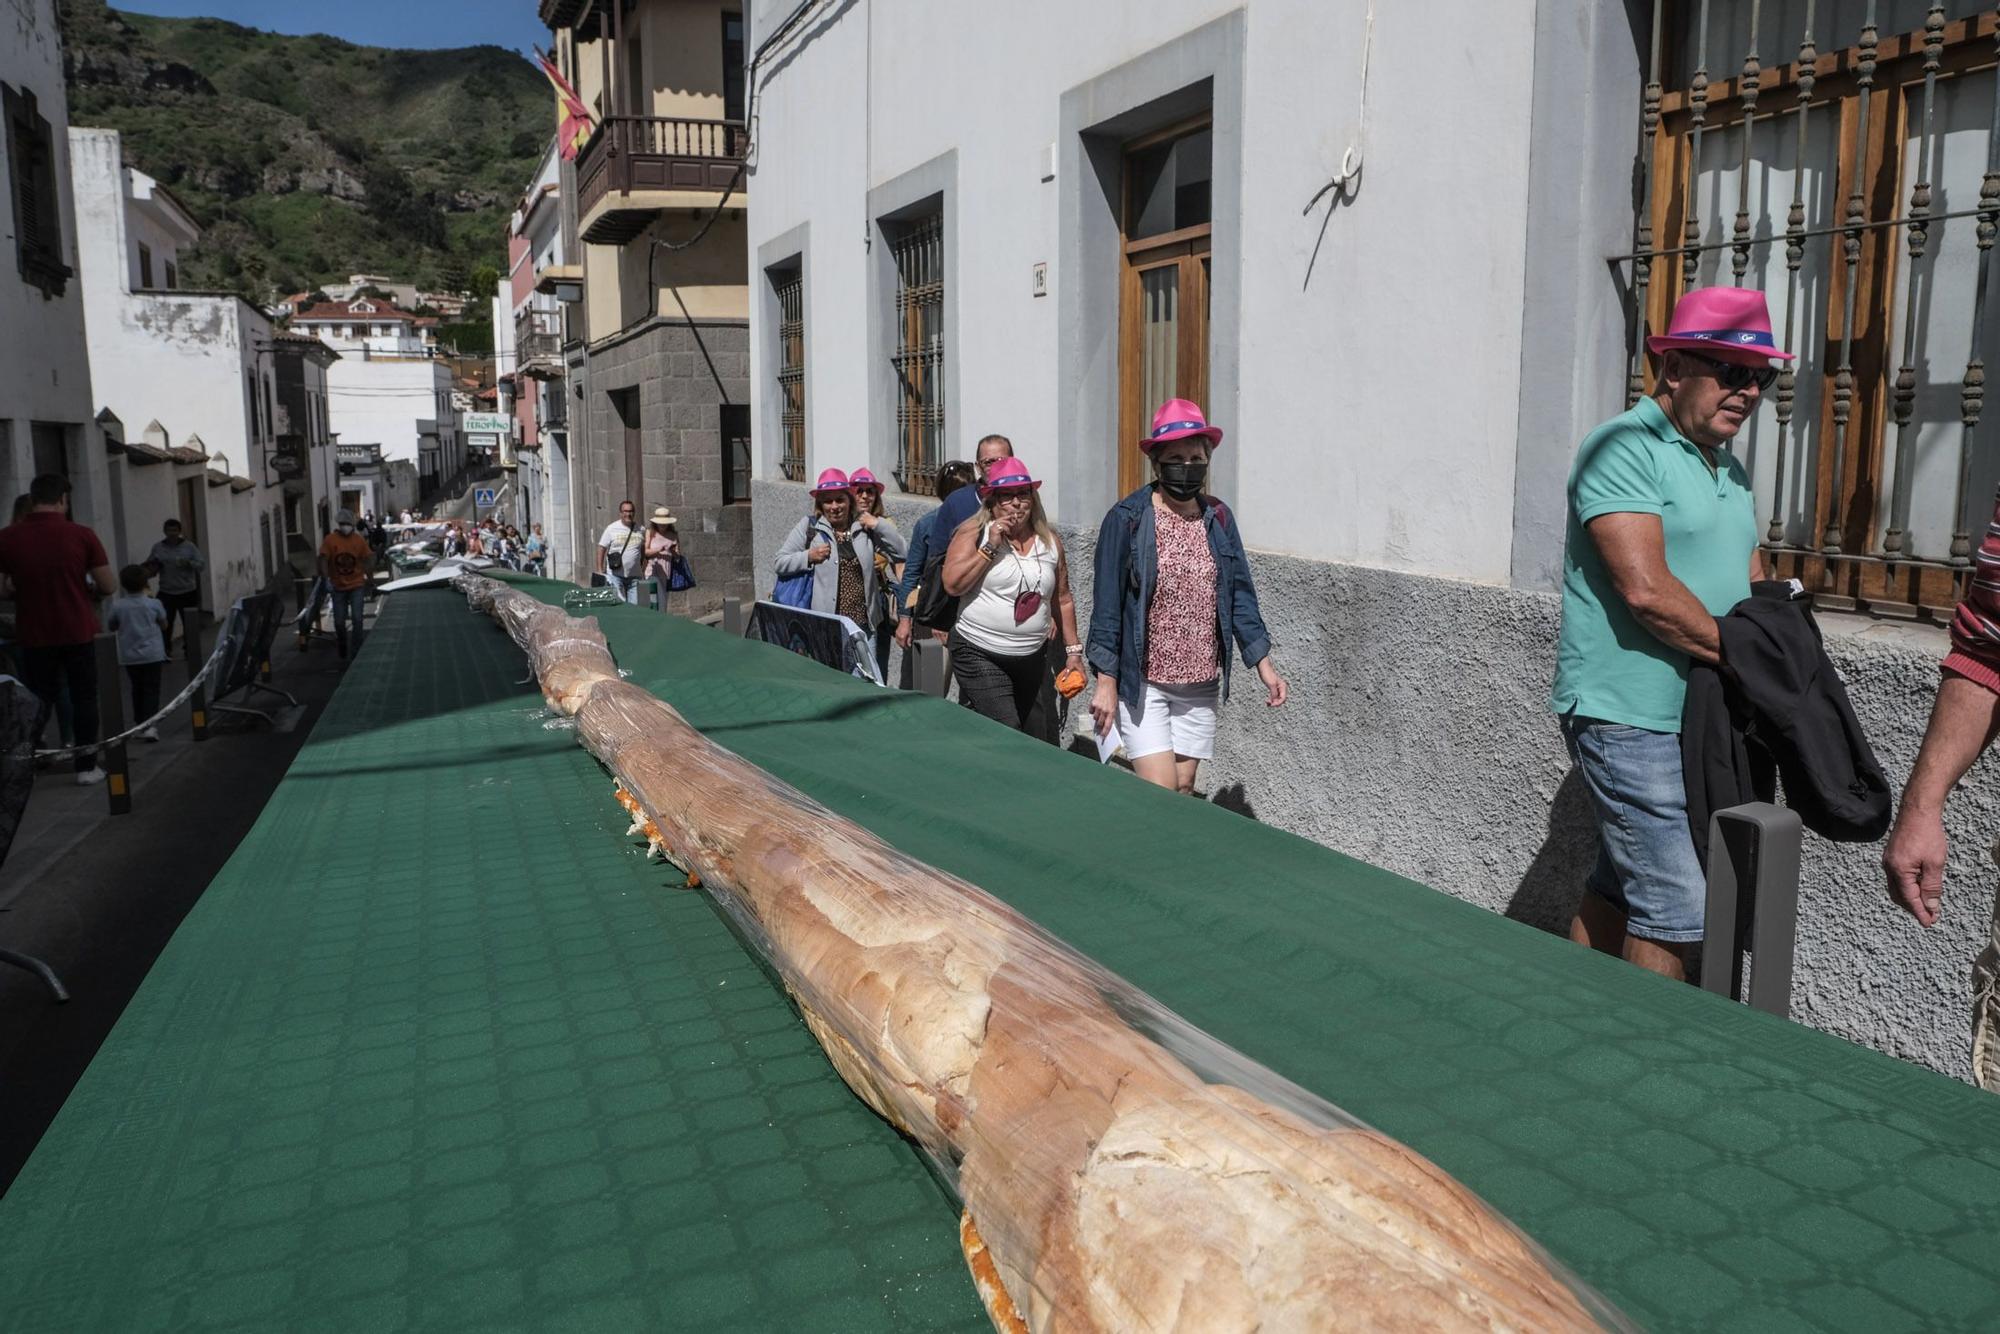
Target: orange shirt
column 347, row 559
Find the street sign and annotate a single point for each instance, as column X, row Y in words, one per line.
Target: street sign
column 485, row 497
column 488, row 423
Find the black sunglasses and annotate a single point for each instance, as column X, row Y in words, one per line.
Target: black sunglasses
column 1735, row 375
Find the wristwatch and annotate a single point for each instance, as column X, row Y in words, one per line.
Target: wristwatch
column 989, row 551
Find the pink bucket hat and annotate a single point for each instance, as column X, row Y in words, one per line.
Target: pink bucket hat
column 1008, row 474
column 1728, row 323
column 830, row 481
column 861, row 477
column 1178, row 419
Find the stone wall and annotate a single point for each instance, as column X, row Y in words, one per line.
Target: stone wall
column 681, row 448
column 1418, row 738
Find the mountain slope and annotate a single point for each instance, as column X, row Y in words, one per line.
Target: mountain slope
column 309, row 158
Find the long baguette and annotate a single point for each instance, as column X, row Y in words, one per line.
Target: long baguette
column 1119, row 1169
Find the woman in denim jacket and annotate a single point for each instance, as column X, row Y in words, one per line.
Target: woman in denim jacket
column 1172, row 591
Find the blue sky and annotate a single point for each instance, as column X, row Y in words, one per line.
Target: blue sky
column 411, row 23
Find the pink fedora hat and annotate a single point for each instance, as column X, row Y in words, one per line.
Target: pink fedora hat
column 1178, row 419
column 861, row 477
column 830, row 481
column 1731, row 323
column 1008, row 474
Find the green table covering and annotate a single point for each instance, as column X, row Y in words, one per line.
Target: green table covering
column 439, row 1049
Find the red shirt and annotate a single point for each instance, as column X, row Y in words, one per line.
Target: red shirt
column 47, row 557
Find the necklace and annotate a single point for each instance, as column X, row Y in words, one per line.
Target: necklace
column 1029, row 600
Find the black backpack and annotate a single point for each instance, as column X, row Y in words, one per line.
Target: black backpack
column 935, row 609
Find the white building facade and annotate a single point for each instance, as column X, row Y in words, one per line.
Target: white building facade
column 195, row 366
column 528, row 321
column 1390, row 249
column 389, row 389
column 47, row 411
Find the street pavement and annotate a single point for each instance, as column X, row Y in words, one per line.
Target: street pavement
column 97, row 896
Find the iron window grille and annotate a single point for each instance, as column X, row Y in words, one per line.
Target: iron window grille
column 917, row 250
column 790, row 289
column 1859, row 186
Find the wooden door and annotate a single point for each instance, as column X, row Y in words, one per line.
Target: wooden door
column 1163, row 288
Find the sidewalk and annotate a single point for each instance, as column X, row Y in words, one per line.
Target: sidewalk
column 97, row 896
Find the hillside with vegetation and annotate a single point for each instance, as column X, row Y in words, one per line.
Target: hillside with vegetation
column 309, row 158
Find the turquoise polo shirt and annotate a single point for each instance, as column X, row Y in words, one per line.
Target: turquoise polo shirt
column 1608, row 665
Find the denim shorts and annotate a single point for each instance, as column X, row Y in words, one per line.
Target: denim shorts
column 1646, row 863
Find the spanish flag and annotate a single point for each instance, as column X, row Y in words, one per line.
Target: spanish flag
column 574, row 122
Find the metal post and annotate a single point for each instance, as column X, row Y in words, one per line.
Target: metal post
column 1972, row 394
column 1855, row 221
column 110, row 722
column 1795, row 252
column 1739, row 260
column 1697, row 118
column 1753, row 852
column 1905, row 393
column 930, row 674
column 732, row 617
column 198, row 701
column 1642, row 261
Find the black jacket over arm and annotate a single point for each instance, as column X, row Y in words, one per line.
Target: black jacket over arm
column 1777, row 703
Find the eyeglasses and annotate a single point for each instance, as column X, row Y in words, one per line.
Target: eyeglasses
column 1735, row 375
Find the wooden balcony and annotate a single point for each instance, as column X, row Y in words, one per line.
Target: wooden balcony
column 635, row 167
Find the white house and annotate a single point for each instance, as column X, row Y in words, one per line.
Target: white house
column 1404, row 255
column 196, row 365
column 528, row 322
column 46, row 409
column 389, row 389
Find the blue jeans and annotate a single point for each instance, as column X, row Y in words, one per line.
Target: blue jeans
column 1646, row 863
column 626, row 588
column 347, row 606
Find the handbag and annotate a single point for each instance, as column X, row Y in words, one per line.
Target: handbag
column 796, row 590
column 682, row 577
column 934, row 609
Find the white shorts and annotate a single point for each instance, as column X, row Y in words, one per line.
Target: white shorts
column 1180, row 719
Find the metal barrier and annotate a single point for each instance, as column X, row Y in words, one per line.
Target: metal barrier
column 932, row 672
column 253, row 624
column 1753, row 878
column 113, row 758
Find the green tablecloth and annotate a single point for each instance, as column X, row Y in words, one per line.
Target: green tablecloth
column 437, row 1038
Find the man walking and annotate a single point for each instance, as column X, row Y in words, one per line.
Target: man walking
column 47, row 560
column 1963, row 721
column 956, row 507
column 1662, row 540
column 344, row 559
column 620, row 549
column 177, row 563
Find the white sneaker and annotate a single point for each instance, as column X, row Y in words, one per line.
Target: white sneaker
column 150, row 734
column 90, row 778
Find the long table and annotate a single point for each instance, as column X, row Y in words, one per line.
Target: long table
column 440, row 1048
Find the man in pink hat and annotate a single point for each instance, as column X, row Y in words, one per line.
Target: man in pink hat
column 1662, row 539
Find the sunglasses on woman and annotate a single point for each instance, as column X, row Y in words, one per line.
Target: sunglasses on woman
column 1734, row 375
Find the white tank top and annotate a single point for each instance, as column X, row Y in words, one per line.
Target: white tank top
column 986, row 615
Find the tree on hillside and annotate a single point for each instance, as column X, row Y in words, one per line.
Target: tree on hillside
column 485, row 282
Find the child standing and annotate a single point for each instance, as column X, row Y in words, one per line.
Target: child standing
column 140, row 622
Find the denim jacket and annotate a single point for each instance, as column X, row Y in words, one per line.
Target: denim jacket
column 1127, row 572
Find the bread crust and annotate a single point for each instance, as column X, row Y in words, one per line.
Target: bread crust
column 1116, row 1186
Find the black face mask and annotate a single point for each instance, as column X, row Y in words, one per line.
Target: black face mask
column 1183, row 481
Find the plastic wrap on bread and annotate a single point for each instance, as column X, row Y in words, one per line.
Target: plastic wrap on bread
column 1119, row 1169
